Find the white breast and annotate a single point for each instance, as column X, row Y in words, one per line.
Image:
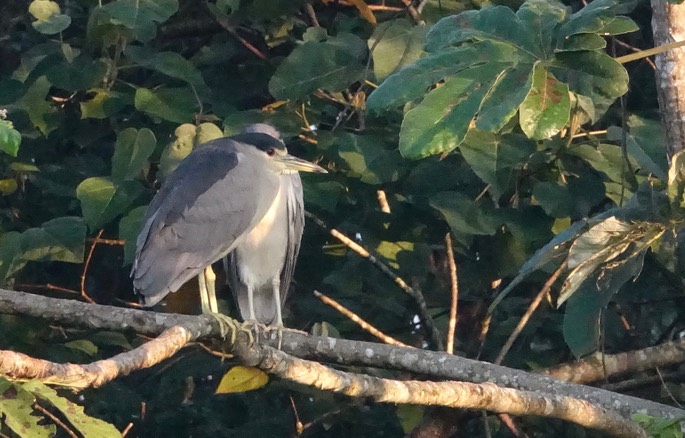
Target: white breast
column 262, row 251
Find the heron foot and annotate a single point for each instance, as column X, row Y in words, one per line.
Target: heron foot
column 226, row 325
column 253, row 328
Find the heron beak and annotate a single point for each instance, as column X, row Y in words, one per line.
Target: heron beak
column 299, row 165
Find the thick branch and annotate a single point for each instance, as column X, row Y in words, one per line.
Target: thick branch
column 451, row 394
column 21, row 367
column 596, row 367
column 331, row 350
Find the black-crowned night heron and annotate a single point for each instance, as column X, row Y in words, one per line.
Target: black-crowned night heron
column 239, row 197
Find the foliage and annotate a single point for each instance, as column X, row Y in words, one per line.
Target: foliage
column 18, row 401
column 499, row 124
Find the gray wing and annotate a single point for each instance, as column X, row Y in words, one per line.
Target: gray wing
column 195, row 219
column 295, row 229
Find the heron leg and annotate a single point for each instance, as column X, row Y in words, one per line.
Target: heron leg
column 276, row 288
column 210, row 280
column 207, row 283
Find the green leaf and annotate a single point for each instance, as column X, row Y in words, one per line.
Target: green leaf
column 59, row 239
column 131, row 152
column 502, row 102
column 141, row 16
column 49, row 19
column 412, row 81
column 10, row 254
column 102, row 200
column 81, row 74
column 84, row 346
column 16, row 405
column 103, row 104
column 440, row 122
column 169, row 63
column 187, row 137
column 39, row 110
column 553, row 252
column 493, row 158
column 546, row 109
column 129, row 227
column 89, row 427
column 583, row 311
column 463, row 215
column 592, row 74
column 332, row 65
column 394, row 45
column 368, row 159
column 583, row 41
column 498, row 23
column 173, row 104
column 10, row 138
column 600, row 17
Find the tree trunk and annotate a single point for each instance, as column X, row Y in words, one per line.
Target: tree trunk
column 668, row 25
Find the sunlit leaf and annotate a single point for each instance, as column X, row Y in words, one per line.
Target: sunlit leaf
column 242, row 379
column 102, row 200
column 88, row 426
column 131, row 152
column 16, row 405
column 10, row 138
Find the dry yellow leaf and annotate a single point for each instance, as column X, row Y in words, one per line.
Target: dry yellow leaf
column 364, row 10
column 242, row 379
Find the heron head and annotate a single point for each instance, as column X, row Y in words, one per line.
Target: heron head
column 268, row 141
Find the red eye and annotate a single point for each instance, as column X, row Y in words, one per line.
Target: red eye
column 271, row 152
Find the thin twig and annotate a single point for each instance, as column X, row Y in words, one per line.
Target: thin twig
column 383, row 201
column 48, row 286
column 230, row 28
column 531, row 309
column 454, row 299
column 126, row 430
column 85, row 269
column 358, row 320
column 418, row 297
column 116, row 242
column 56, row 420
column 311, row 14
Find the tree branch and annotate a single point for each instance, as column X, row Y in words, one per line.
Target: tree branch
column 340, row 351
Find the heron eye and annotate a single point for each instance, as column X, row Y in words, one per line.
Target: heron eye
column 271, row 152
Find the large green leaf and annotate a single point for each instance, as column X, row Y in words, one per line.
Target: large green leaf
column 102, row 200
column 368, row 159
column 493, row 158
column 49, row 19
column 141, row 16
column 498, row 23
column 412, row 81
column 600, row 17
column 502, row 102
column 132, row 150
column 395, row 44
column 59, row 239
column 39, row 110
column 590, row 73
column 87, row 426
column 10, row 138
column 169, row 63
column 173, row 104
column 546, row 109
column 332, row 64
column 81, row 74
column 16, row 405
column 583, row 310
column 463, row 215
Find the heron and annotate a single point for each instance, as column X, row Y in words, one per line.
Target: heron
column 238, row 198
